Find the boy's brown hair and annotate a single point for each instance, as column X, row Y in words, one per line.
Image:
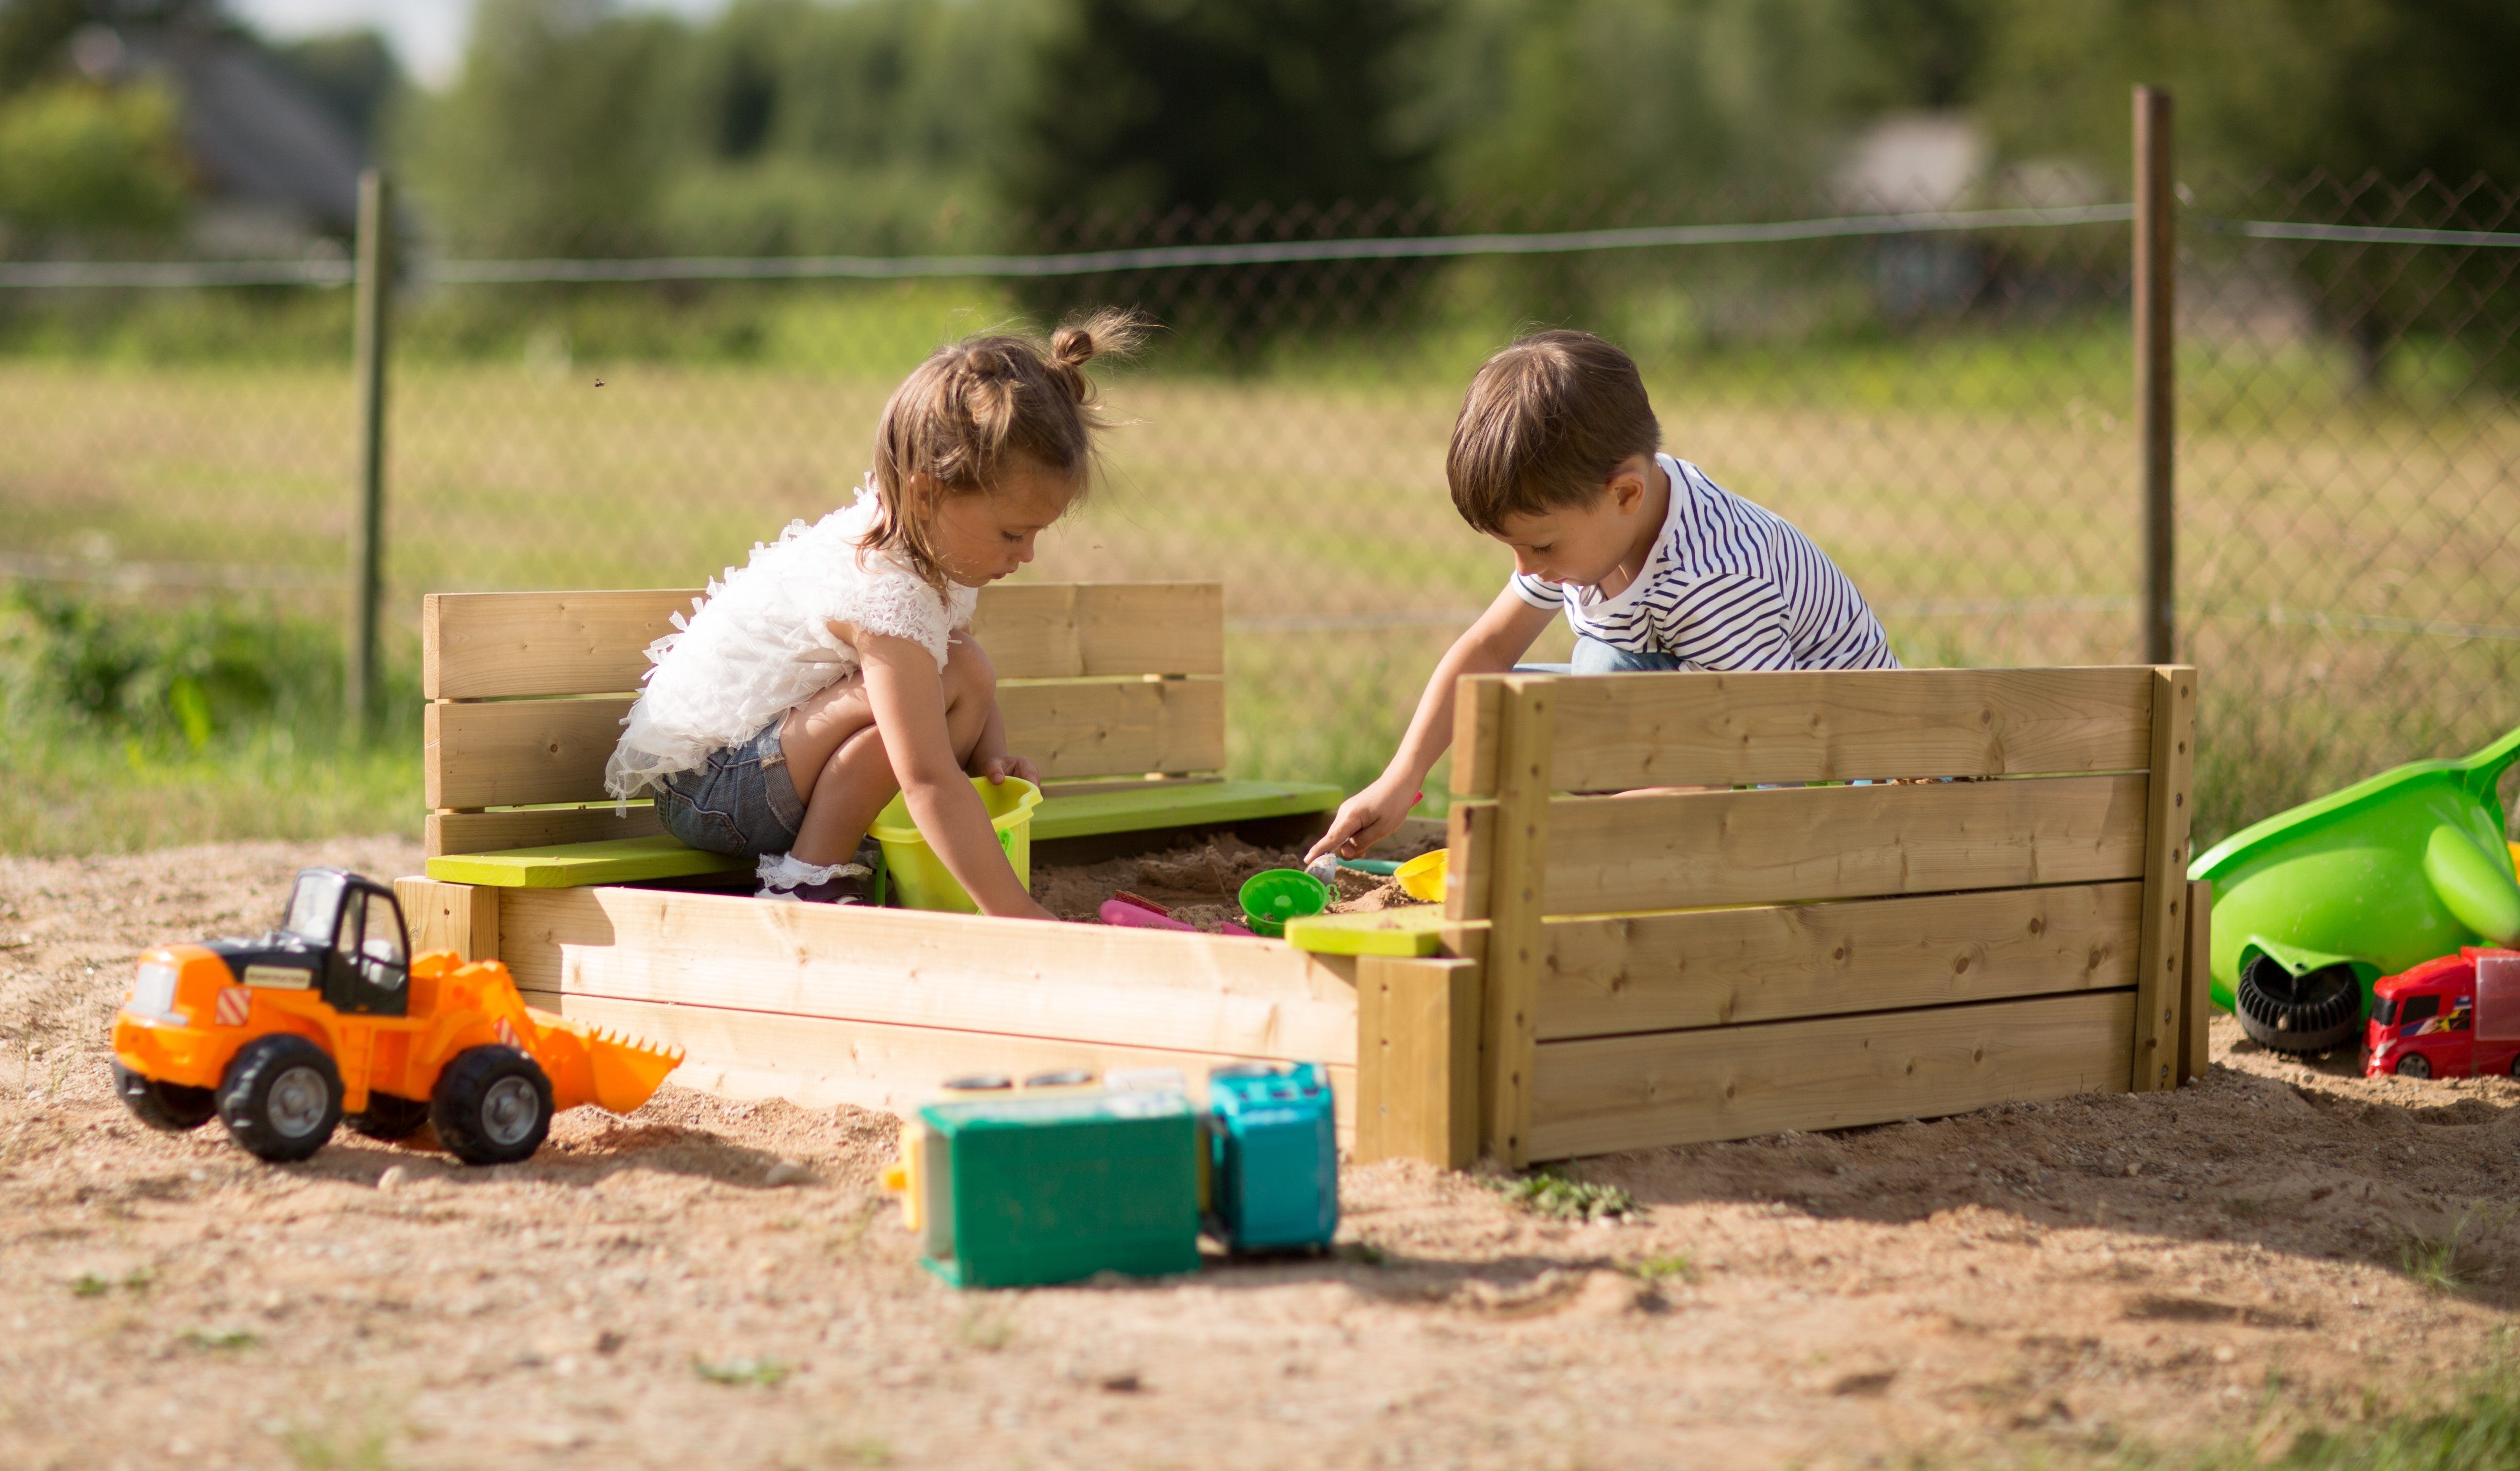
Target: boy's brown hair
column 1545, row 424
column 973, row 408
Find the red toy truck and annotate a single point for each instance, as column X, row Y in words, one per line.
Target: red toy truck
column 2426, row 1021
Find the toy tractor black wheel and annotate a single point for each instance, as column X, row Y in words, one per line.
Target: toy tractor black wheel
column 170, row 1106
column 280, row 1098
column 2414, row 1065
column 388, row 1118
column 2317, row 1011
column 493, row 1106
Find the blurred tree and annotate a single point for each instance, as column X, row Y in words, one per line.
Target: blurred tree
column 32, row 33
column 2293, row 86
column 558, row 135
column 352, row 73
column 1164, row 103
column 79, row 158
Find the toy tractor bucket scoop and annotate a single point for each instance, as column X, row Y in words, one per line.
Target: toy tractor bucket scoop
column 592, row 1065
column 2386, row 874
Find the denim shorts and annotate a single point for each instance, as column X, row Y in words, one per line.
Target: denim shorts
column 740, row 802
column 1594, row 657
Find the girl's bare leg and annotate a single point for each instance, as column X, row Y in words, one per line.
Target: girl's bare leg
column 836, row 759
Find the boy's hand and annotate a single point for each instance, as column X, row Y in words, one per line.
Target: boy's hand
column 1366, row 818
column 998, row 768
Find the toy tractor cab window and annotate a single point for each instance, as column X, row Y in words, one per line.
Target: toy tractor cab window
column 2415, row 1009
column 367, row 967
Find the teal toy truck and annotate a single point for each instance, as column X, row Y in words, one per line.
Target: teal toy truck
column 2314, row 904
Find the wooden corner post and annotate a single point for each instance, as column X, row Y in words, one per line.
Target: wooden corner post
column 1418, row 1060
column 2160, row 979
column 1525, row 756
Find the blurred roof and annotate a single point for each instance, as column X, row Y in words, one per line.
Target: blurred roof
column 254, row 132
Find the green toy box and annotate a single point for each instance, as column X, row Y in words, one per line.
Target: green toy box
column 1027, row 1190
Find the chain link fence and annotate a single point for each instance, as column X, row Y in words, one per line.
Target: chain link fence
column 1943, row 402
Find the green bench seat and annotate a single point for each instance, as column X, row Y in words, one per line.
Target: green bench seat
column 630, row 860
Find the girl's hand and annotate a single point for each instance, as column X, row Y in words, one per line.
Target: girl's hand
column 1366, row 818
column 998, row 768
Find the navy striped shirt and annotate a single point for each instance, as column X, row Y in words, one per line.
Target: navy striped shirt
column 1730, row 587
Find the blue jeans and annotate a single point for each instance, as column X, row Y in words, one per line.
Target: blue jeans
column 1594, row 657
column 740, row 802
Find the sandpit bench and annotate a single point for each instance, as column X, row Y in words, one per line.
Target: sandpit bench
column 1608, row 971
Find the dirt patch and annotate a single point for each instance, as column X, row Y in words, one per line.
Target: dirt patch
column 1198, row 885
column 713, row 1283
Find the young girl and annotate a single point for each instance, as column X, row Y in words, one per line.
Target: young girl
column 838, row 667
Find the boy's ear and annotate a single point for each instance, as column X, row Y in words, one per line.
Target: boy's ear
column 1627, row 488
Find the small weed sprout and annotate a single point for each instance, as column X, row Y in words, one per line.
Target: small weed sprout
column 2245, row 1207
column 219, row 1341
column 768, row 1373
column 985, row 1331
column 1670, row 1266
column 317, row 1449
column 2433, row 1262
column 1551, row 1192
column 90, row 1285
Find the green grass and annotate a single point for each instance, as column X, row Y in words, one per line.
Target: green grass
column 128, row 725
column 1551, row 1192
column 1977, row 484
column 2476, row 1429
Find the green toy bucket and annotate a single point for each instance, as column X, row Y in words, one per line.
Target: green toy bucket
column 1273, row 895
column 921, row 880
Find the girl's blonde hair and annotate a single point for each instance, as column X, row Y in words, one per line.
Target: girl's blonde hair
column 973, row 407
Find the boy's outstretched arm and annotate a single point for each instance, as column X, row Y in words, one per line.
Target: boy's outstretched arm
column 1502, row 636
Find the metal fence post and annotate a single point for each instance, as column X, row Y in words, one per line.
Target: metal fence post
column 2156, row 245
column 366, row 547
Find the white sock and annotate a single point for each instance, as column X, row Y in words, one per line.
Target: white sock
column 787, row 871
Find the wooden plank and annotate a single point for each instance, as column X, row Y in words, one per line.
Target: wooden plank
column 1069, row 982
column 818, row 1061
column 1479, row 701
column 1100, row 727
column 1722, row 967
column 499, row 645
column 2158, row 980
column 1840, row 724
column 487, row 645
column 1418, row 1059
column 1612, row 854
column 2196, row 1045
column 1523, row 840
column 579, row 865
column 1734, row 1082
column 532, row 827
column 1150, row 627
column 1154, row 805
column 515, row 753
column 1469, row 874
column 1030, row 630
column 458, row 917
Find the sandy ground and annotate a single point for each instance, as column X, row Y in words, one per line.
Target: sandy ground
column 716, row 1284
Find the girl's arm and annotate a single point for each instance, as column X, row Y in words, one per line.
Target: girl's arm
column 1502, row 636
column 907, row 693
column 989, row 755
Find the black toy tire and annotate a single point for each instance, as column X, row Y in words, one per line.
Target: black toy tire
column 2414, row 1065
column 388, row 1118
column 2318, row 1011
column 170, row 1106
column 282, row 1098
column 492, row 1106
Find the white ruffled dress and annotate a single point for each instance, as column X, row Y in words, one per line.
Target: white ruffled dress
column 759, row 644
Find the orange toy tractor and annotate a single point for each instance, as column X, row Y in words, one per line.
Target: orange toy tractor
column 324, row 1020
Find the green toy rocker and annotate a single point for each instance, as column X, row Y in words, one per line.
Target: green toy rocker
column 2313, row 905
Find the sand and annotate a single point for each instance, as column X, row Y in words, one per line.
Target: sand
column 714, row 1284
column 1199, row 884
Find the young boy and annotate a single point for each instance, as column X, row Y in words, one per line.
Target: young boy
column 1556, row 455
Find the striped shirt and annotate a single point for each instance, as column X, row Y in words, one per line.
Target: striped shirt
column 1730, row 585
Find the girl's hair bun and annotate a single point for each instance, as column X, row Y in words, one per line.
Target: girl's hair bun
column 1107, row 333
column 977, row 406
